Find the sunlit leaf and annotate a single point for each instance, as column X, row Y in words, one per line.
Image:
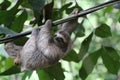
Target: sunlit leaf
column 85, row 46
column 8, row 63
column 27, row 74
column 103, row 31
column 89, row 64
column 2, row 59
column 12, row 70
column 108, row 9
column 43, row 75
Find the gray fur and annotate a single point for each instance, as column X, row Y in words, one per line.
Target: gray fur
column 41, row 50
column 38, row 52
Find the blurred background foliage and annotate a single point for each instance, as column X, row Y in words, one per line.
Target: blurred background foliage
column 96, row 52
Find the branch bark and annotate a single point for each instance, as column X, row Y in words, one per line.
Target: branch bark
column 82, row 13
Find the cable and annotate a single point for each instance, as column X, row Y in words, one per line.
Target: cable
column 80, row 14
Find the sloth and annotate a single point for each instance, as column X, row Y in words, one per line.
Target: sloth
column 42, row 49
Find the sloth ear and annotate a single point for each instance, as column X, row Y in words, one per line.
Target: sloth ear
column 12, row 49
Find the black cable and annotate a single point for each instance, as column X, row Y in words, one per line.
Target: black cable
column 82, row 13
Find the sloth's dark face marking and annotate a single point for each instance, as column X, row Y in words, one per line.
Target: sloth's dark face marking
column 61, row 39
column 62, row 36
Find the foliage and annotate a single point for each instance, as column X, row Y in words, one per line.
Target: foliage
column 97, row 38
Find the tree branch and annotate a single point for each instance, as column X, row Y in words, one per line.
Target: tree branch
column 82, row 13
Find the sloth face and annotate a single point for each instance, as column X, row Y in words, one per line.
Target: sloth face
column 62, row 39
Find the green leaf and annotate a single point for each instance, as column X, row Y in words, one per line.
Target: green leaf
column 80, row 30
column 69, row 10
column 2, row 59
column 4, row 30
column 89, row 64
column 16, row 5
column 57, row 14
column 4, row 5
column 65, row 7
column 72, row 56
column 8, row 63
column 112, row 53
column 85, row 46
column 55, row 72
column 12, row 70
column 103, row 31
column 18, row 24
column 26, row 4
column 7, row 17
column 111, row 64
column 119, row 19
column 43, row 75
column 27, row 74
column 37, row 5
column 108, row 9
column 20, row 41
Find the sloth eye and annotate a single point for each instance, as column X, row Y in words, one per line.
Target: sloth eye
column 60, row 40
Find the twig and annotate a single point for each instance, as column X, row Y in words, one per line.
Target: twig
column 82, row 13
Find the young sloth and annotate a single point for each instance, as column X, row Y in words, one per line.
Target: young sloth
column 42, row 50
